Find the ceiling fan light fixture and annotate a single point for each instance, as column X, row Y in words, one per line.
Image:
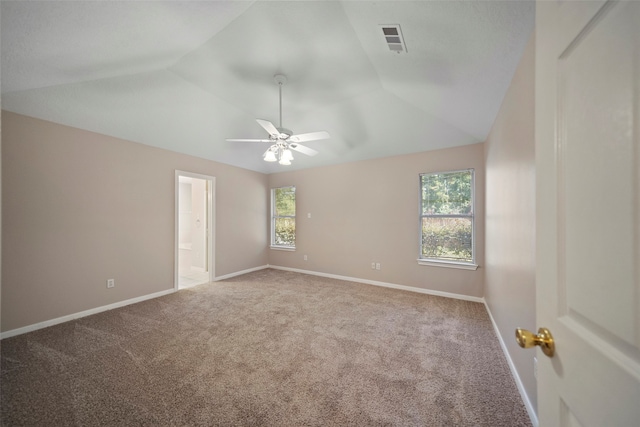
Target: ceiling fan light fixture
column 286, row 154
column 285, row 162
column 270, row 156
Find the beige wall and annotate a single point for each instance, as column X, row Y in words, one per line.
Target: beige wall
column 367, row 211
column 79, row 208
column 510, row 217
column 0, row 220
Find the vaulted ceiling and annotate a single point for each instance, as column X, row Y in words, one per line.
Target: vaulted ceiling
column 186, row 75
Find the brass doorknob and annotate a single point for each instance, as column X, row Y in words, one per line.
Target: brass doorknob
column 544, row 339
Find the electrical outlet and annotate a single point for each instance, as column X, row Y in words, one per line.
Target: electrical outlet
column 373, row 265
column 377, row 266
column 111, row 283
column 305, row 257
column 535, row 367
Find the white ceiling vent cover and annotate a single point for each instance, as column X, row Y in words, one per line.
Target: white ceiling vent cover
column 393, row 37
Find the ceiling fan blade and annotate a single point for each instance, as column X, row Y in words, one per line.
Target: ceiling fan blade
column 269, row 127
column 313, row 136
column 302, row 149
column 247, row 140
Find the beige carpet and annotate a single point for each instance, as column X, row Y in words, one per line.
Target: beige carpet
column 269, row 348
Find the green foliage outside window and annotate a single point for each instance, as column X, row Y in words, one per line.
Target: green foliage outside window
column 285, row 234
column 284, row 212
column 285, row 201
column 446, row 193
column 447, row 239
column 447, row 216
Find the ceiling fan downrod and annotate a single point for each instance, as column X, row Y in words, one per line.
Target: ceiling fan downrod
column 281, row 79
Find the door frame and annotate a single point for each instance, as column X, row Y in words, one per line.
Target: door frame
column 211, row 224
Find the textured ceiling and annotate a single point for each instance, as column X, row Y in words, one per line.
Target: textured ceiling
column 185, row 75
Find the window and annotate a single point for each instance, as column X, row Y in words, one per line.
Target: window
column 446, row 219
column 283, row 217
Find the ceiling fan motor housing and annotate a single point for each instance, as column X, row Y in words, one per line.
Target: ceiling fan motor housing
column 284, row 133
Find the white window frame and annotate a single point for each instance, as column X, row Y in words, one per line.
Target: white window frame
column 274, row 217
column 436, row 262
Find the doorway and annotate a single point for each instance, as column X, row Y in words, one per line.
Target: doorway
column 194, row 260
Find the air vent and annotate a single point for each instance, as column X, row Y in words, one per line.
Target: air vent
column 393, row 37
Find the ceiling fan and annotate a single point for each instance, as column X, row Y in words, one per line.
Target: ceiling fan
column 283, row 140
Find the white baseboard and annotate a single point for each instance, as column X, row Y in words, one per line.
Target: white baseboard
column 47, row 323
column 382, row 284
column 85, row 313
column 525, row 398
column 240, row 273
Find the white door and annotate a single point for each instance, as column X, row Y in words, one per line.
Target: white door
column 588, row 211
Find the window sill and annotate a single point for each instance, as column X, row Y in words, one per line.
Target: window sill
column 283, row 248
column 448, row 264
